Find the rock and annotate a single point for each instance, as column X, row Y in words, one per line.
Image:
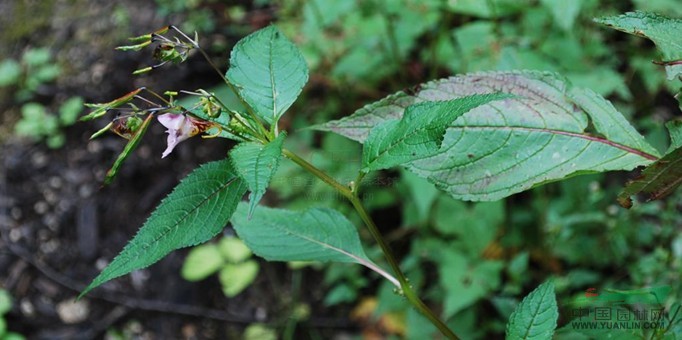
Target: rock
column 71, row 311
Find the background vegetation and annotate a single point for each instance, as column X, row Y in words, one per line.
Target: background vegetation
column 475, row 260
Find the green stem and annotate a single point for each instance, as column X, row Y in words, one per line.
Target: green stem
column 351, row 195
column 342, row 189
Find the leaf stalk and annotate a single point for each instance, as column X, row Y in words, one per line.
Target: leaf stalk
column 352, row 196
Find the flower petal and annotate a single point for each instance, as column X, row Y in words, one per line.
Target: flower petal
column 172, row 121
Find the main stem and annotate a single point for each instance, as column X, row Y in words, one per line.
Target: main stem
column 405, row 286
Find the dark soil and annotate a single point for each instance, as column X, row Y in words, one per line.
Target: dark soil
column 59, row 226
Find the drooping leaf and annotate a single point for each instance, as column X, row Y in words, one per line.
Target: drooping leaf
column 663, row 31
column 418, row 134
column 268, row 71
column 128, row 149
column 536, row 316
column 256, row 163
column 313, row 235
column 550, row 131
column 197, row 209
column 660, row 178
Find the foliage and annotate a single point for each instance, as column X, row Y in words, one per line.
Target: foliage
column 193, row 213
column 541, row 127
column 6, row 306
column 230, row 258
column 35, row 69
column 536, row 316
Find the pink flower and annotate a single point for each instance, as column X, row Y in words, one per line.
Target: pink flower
column 181, row 127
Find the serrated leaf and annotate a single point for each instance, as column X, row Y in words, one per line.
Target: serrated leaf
column 662, row 177
column 418, row 134
column 312, row 235
column 268, row 71
column 663, row 31
column 536, row 316
column 551, row 130
column 256, row 163
column 197, row 209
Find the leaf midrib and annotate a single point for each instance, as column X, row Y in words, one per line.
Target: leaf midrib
column 536, row 313
column 143, row 248
column 272, row 74
column 572, row 134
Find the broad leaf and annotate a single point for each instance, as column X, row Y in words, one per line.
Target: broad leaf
column 312, row 235
column 663, row 31
column 418, row 134
column 268, row 71
column 197, row 209
column 256, row 163
column 660, row 178
column 549, row 131
column 536, row 316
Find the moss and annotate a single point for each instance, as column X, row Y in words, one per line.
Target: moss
column 28, row 17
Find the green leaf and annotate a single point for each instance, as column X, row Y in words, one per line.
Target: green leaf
column 197, row 209
column 3, row 327
column 312, row 235
column 202, row 261
column 257, row 331
column 10, row 71
column 235, row 277
column 12, row 336
column 536, row 316
column 662, row 177
column 466, row 281
column 127, row 150
column 418, row 134
column 69, row 110
column 234, row 250
column 550, row 131
column 37, row 56
column 5, row 302
column 563, row 12
column 256, row 163
column 488, row 8
column 268, row 71
column 663, row 31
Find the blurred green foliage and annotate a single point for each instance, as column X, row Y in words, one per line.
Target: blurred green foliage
column 230, row 258
column 477, row 260
column 5, row 307
column 24, row 79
